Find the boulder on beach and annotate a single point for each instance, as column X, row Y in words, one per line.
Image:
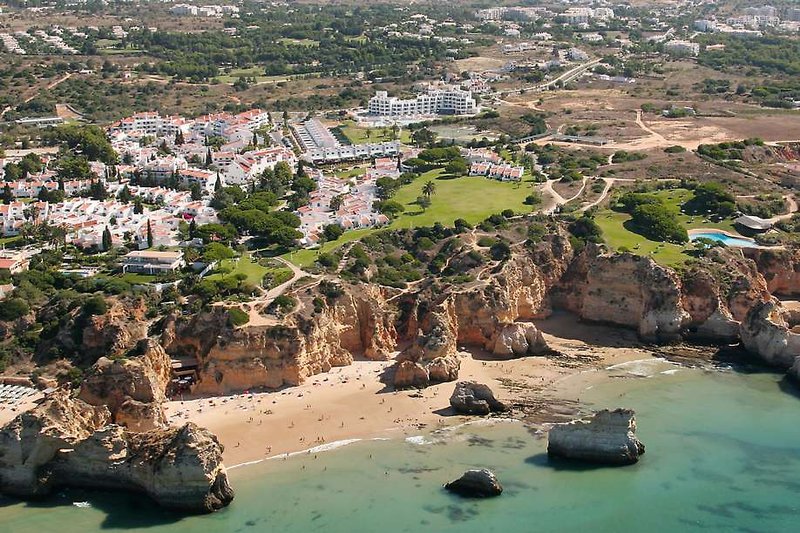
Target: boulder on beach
column 476, row 484
column 608, row 437
column 408, row 374
column 472, row 398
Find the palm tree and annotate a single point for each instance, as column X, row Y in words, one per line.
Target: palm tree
column 428, row 189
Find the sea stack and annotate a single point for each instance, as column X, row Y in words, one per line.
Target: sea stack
column 476, row 484
column 608, row 437
column 472, row 398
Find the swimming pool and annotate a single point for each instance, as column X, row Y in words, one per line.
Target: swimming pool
column 728, row 240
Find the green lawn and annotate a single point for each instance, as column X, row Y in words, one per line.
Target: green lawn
column 10, row 240
column 244, row 265
column 135, row 279
column 305, row 258
column 253, row 72
column 360, row 135
column 350, row 173
column 472, row 198
column 617, row 236
column 298, row 42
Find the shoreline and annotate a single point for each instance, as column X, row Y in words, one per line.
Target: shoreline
column 351, row 404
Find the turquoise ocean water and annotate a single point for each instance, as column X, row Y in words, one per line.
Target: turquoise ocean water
column 723, row 454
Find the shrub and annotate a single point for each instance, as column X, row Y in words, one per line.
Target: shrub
column 586, row 229
column 332, row 232
column 237, row 317
column 486, row 241
column 13, row 308
column 656, row 222
column 500, row 251
column 327, row 260
column 96, row 305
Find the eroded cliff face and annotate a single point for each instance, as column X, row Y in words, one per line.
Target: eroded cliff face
column 231, row 359
column 67, row 442
column 626, row 290
column 31, row 441
column 116, row 331
column 133, row 389
column 719, row 294
column 430, row 321
column 769, row 332
column 780, row 268
column 489, row 314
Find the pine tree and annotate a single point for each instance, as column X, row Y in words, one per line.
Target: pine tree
column 196, row 192
column 107, row 241
column 255, row 139
column 125, row 195
column 179, row 138
column 8, row 196
column 61, row 184
column 138, row 208
column 149, row 235
column 209, row 159
column 218, row 184
column 192, row 229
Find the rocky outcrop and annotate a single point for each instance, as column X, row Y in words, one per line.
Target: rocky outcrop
column 133, row 389
column 794, row 371
column 767, row 333
column 408, row 374
column 180, row 468
column 519, row 339
column 356, row 322
column 481, row 483
column 433, row 354
column 625, row 290
column 709, row 316
column 116, row 331
column 471, row 398
column 32, row 440
column 608, row 437
column 780, row 268
column 67, row 442
column 444, row 369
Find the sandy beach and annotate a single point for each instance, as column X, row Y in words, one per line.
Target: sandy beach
column 352, row 403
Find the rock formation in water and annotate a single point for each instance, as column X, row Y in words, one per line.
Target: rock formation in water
column 768, row 333
column 471, row 398
column 67, row 442
column 481, row 483
column 608, row 437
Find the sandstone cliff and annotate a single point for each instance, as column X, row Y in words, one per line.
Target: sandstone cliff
column 767, row 332
column 67, row 442
column 780, row 268
column 625, row 290
column 133, row 389
column 356, row 322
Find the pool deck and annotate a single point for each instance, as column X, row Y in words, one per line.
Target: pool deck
column 697, row 231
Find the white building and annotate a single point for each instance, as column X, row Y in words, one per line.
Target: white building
column 681, row 48
column 705, row 25
column 449, row 101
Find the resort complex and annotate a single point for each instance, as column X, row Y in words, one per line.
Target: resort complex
column 399, row 266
